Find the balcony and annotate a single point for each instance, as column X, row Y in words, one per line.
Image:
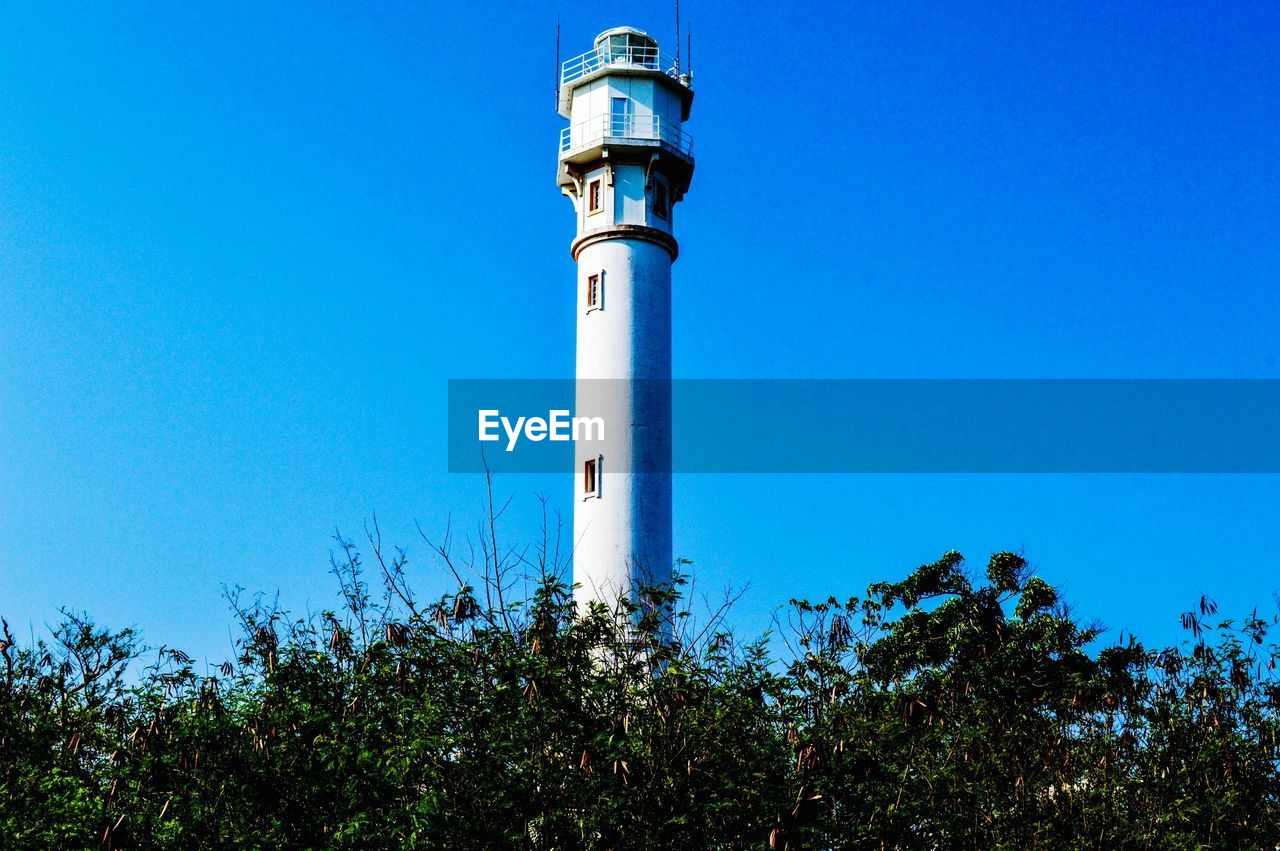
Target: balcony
column 623, row 57
column 650, row 131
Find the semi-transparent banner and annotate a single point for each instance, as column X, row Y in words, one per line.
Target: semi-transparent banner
column 867, row 426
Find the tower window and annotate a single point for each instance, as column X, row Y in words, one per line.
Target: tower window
column 620, row 116
column 595, row 193
column 595, row 294
column 591, row 478
column 661, row 206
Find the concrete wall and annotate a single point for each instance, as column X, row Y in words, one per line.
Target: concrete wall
column 628, row 200
column 648, row 98
column 624, row 534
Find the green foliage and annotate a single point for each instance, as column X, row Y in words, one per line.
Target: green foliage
column 942, row 710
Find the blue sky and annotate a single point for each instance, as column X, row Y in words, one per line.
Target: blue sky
column 241, row 255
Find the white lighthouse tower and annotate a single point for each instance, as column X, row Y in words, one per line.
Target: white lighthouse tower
column 625, row 161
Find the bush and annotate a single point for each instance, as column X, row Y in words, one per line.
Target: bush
column 943, row 710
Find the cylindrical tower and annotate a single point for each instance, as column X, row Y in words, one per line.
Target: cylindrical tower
column 625, row 161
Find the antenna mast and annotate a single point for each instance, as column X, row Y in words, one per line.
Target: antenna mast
column 677, row 36
column 557, row 68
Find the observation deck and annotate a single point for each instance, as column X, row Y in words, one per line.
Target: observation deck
column 649, row 131
column 623, row 50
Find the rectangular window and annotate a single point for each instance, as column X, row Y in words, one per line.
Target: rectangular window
column 620, row 117
column 595, row 191
column 661, row 208
column 593, row 291
column 591, row 478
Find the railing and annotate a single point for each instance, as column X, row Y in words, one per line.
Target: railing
column 625, row 128
column 627, row 56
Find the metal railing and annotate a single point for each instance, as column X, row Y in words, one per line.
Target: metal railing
column 624, row 128
column 627, row 56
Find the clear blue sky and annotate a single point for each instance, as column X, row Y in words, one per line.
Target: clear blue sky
column 238, row 266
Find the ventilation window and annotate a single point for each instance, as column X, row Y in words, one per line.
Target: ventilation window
column 661, row 208
column 595, row 193
column 594, row 291
column 591, row 478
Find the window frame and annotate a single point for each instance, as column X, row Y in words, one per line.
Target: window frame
column 592, row 469
column 664, row 212
column 595, row 202
column 595, row 286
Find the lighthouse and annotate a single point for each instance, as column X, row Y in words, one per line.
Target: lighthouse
column 625, row 161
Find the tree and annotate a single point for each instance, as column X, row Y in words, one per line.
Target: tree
column 941, row 710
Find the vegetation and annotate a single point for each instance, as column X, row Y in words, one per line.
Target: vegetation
column 944, row 710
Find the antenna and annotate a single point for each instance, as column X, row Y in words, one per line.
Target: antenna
column 557, row 68
column 677, row 36
column 688, row 54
